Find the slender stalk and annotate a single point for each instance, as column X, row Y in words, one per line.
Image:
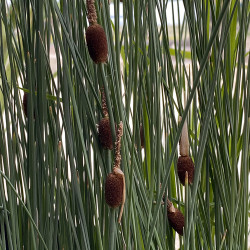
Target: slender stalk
column 112, row 229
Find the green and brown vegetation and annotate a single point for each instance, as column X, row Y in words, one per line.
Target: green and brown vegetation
column 131, row 79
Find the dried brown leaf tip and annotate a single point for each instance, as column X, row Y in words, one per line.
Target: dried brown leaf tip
column 185, row 164
column 175, row 218
column 115, row 190
column 25, row 103
column 95, row 36
column 184, row 142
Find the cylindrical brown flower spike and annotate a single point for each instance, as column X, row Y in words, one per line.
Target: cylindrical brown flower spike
column 104, row 128
column 185, row 164
column 104, row 133
column 175, row 218
column 95, row 36
column 115, row 190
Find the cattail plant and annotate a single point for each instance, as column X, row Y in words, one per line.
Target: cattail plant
column 175, row 218
column 185, row 162
column 104, row 128
column 115, row 191
column 95, row 36
column 52, row 196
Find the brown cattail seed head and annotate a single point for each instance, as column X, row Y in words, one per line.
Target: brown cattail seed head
column 25, row 103
column 114, row 187
column 185, row 164
column 97, row 43
column 119, row 133
column 184, row 142
column 92, row 17
column 142, row 136
column 175, row 218
column 104, row 133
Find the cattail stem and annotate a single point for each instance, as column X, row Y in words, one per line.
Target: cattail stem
column 92, row 17
column 112, row 229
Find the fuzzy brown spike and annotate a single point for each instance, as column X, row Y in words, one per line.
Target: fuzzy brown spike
column 185, row 164
column 175, row 217
column 95, row 36
column 104, row 128
column 119, row 134
column 104, row 133
column 114, row 188
column 92, row 17
column 97, row 43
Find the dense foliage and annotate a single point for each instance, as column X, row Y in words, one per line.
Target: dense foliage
column 52, row 165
